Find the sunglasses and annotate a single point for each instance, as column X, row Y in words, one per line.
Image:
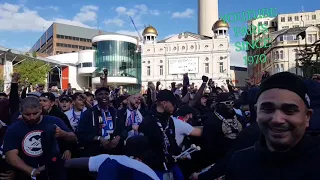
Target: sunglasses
column 228, row 103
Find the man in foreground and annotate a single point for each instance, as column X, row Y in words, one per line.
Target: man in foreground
column 284, row 151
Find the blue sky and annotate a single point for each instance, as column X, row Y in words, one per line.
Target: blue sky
column 22, row 22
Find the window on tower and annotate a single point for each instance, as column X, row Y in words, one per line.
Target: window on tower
column 161, row 70
column 206, row 68
column 221, row 67
column 148, row 71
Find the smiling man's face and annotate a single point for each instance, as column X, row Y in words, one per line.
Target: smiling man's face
column 282, row 117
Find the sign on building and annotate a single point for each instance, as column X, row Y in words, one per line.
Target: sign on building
column 183, row 65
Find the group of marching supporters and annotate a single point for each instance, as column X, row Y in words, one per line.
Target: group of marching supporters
column 186, row 132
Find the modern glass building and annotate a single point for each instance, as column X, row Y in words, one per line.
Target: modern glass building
column 118, row 54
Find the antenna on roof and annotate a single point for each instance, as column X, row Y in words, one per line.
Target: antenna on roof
column 302, row 9
column 99, row 32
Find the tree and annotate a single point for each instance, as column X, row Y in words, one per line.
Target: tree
column 33, row 71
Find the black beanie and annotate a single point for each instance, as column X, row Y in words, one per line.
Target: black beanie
column 288, row 81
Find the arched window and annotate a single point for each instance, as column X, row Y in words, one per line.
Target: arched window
column 281, row 54
column 277, row 55
column 277, row 68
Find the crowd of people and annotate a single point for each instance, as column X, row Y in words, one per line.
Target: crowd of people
column 255, row 133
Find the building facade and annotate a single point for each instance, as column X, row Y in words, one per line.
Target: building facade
column 167, row 60
column 283, row 47
column 118, row 53
column 62, row 38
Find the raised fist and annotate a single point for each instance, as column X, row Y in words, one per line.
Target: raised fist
column 205, row 79
column 158, row 83
column 105, row 72
column 104, row 75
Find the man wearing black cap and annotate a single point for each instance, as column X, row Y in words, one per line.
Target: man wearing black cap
column 220, row 129
column 100, row 130
column 133, row 166
column 182, row 126
column 160, row 130
column 65, row 102
column 47, row 101
column 284, row 151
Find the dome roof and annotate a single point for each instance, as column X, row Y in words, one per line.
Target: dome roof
column 150, row 30
column 220, row 24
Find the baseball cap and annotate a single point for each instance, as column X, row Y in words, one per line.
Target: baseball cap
column 49, row 96
column 34, row 94
column 184, row 110
column 64, row 97
column 101, row 89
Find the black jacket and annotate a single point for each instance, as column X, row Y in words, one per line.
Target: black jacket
column 151, row 130
column 89, row 127
column 245, row 139
column 257, row 162
column 55, row 112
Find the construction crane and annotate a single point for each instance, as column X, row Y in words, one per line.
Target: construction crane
column 139, row 48
column 140, row 37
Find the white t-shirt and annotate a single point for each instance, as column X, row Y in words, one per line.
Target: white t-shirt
column 74, row 120
column 96, row 161
column 182, row 129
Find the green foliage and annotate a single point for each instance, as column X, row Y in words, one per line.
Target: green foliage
column 1, row 85
column 34, row 54
column 33, row 71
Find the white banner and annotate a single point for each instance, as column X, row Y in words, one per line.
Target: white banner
column 8, row 70
column 183, row 65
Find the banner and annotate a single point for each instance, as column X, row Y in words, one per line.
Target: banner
column 183, row 65
column 8, row 70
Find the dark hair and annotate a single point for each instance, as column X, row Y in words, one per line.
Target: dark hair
column 30, row 103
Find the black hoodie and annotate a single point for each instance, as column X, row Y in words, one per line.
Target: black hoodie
column 257, row 162
column 89, row 127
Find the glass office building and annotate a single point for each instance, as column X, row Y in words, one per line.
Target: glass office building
column 121, row 58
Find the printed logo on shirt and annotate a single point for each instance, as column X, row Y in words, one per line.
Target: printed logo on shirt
column 74, row 123
column 31, row 144
column 231, row 128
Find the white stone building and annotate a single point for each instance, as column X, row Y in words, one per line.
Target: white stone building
column 167, row 60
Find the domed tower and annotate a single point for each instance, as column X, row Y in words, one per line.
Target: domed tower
column 150, row 35
column 220, row 29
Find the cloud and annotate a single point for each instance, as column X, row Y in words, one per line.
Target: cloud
column 188, row 13
column 55, row 8
column 117, row 22
column 136, row 13
column 154, row 12
column 236, row 57
column 19, row 18
column 87, row 14
column 121, row 10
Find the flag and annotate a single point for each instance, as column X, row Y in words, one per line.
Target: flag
column 115, row 167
